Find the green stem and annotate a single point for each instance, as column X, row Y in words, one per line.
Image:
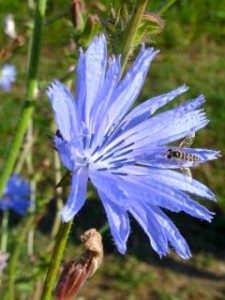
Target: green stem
column 30, row 167
column 25, row 154
column 56, row 18
column 60, row 244
column 30, row 94
column 130, row 33
column 165, row 6
column 32, row 209
column 59, row 200
column 4, row 233
column 104, row 228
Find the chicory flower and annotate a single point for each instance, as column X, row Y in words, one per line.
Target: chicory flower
column 125, row 152
column 16, row 195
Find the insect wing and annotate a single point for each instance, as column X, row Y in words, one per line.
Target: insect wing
column 187, row 142
column 187, row 172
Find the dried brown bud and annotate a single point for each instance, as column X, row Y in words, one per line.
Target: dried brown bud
column 77, row 9
column 75, row 273
column 98, row 6
column 11, row 47
column 154, row 18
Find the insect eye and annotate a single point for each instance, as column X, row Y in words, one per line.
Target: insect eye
column 169, row 153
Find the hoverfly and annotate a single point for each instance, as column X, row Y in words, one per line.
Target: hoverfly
column 181, row 156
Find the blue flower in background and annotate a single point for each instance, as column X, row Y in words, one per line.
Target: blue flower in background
column 124, row 152
column 7, row 76
column 16, row 195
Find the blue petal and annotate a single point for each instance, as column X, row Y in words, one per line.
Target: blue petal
column 109, row 184
column 64, row 109
column 81, row 88
column 160, row 229
column 91, row 73
column 71, row 153
column 128, row 90
column 173, row 234
column 77, row 195
column 146, row 218
column 156, row 192
column 147, row 109
column 174, row 124
column 163, row 128
column 115, row 203
column 170, row 178
column 102, row 103
column 118, row 221
column 174, row 200
column 64, row 151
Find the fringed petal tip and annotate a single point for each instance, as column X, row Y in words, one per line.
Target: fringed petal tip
column 151, row 51
column 218, row 154
column 213, row 154
column 114, row 59
column 97, row 39
column 161, row 254
column 54, row 85
column 185, row 253
column 204, row 154
column 181, row 249
column 119, row 242
column 210, row 216
column 183, row 88
column 121, row 248
column 178, row 91
column 201, row 98
column 185, row 256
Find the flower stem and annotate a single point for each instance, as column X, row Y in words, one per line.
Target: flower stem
column 104, row 228
column 30, row 95
column 4, row 231
column 60, row 244
column 30, row 167
column 59, row 202
column 131, row 31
